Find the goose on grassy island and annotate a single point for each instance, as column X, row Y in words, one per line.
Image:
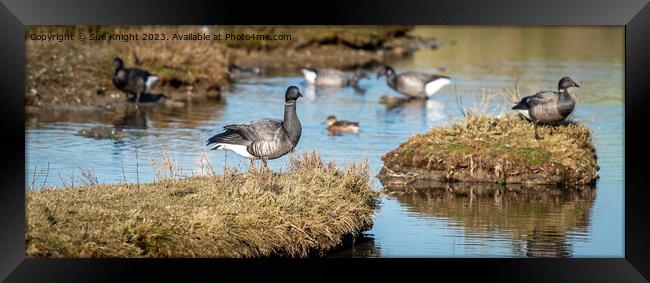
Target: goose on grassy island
column 548, row 107
column 413, row 84
column 132, row 81
column 263, row 139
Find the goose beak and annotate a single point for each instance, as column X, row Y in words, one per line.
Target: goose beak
column 300, row 94
column 576, row 85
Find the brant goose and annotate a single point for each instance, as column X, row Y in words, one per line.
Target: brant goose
column 263, row 139
column 332, row 77
column 134, row 82
column 340, row 126
column 413, row 84
column 236, row 72
column 548, row 107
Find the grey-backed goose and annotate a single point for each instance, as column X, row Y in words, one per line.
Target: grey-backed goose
column 412, row 83
column 263, row 139
column 133, row 81
column 548, row 107
column 335, row 127
column 332, row 77
column 236, row 72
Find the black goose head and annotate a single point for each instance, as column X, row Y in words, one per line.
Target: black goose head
column 118, row 64
column 292, row 94
column 385, row 70
column 566, row 83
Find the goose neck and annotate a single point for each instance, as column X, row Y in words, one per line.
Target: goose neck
column 291, row 123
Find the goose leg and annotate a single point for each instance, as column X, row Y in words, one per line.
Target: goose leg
column 266, row 165
column 137, row 99
column 537, row 137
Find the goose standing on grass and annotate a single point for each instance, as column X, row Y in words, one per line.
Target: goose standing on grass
column 132, row 81
column 413, row 84
column 263, row 139
column 332, row 77
column 548, row 107
column 335, row 127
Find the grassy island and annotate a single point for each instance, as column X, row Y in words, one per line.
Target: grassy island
column 308, row 210
column 488, row 149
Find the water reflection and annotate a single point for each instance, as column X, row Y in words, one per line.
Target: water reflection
column 133, row 118
column 362, row 247
column 540, row 222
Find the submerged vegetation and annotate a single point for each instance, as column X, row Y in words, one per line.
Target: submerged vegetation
column 483, row 148
column 305, row 211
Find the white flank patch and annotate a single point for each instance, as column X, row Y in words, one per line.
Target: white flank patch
column 524, row 112
column 239, row 149
column 150, row 81
column 434, row 86
column 310, row 76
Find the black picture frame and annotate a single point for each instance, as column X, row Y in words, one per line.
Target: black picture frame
column 634, row 15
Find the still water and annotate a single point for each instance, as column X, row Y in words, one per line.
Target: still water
column 425, row 223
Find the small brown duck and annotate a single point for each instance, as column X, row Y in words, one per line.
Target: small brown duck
column 335, row 127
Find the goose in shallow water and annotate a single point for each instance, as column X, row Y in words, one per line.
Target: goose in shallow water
column 548, row 107
column 236, row 72
column 332, row 77
column 335, row 127
column 263, row 139
column 132, row 81
column 413, row 84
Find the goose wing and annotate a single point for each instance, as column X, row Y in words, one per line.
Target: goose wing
column 246, row 134
column 260, row 130
column 542, row 97
column 139, row 73
column 331, row 73
column 411, row 82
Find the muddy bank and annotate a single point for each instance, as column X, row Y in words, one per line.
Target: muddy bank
column 486, row 149
column 76, row 75
column 320, row 47
column 308, row 211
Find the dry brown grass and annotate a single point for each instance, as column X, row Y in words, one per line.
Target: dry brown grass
column 80, row 72
column 298, row 213
column 484, row 148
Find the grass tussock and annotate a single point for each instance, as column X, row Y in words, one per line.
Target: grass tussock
column 304, row 211
column 483, row 148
